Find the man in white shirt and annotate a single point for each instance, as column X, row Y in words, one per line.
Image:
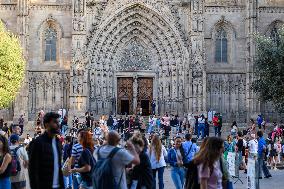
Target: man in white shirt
column 253, row 146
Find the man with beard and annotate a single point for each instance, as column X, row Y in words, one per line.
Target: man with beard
column 45, row 156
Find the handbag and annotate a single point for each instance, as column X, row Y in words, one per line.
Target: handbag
column 66, row 168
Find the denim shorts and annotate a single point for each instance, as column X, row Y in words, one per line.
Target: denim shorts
column 86, row 185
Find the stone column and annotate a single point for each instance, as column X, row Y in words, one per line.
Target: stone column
column 252, row 104
column 135, row 92
column 21, row 101
column 198, row 75
column 78, row 71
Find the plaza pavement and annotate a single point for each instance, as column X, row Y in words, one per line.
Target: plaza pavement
column 276, row 182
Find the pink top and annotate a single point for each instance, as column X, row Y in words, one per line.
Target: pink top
column 215, row 179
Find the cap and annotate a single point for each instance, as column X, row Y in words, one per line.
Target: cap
column 14, row 138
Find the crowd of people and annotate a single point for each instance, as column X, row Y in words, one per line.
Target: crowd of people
column 131, row 152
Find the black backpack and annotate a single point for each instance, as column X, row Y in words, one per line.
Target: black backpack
column 103, row 177
column 192, row 176
column 15, row 163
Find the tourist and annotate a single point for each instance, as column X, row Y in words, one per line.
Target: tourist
column 120, row 125
column 220, row 120
column 75, row 155
column 153, row 106
column 45, row 156
column 142, row 175
column 1, row 123
column 240, row 149
column 151, row 124
column 120, row 157
column 259, row 121
column 19, row 180
column 176, row 158
column 67, row 148
column 86, row 162
column 234, row 129
column 253, row 145
column 21, row 123
column 208, row 163
column 216, row 124
column 110, row 122
column 201, row 126
column 189, row 148
column 261, row 153
column 5, row 164
column 229, row 146
column 252, row 128
column 28, row 139
column 157, row 154
column 272, row 152
column 64, row 125
column 16, row 129
column 206, row 128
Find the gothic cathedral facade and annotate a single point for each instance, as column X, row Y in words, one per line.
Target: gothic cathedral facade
column 117, row 56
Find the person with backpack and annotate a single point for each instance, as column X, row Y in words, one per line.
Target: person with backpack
column 157, row 154
column 261, row 149
column 67, row 148
column 189, row 148
column 19, row 163
column 5, row 163
column 176, row 157
column 86, row 161
column 205, row 170
column 216, row 124
column 111, row 162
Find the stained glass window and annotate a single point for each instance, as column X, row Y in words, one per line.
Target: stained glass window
column 50, row 44
column 221, row 46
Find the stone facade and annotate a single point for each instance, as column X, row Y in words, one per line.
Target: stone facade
column 173, row 42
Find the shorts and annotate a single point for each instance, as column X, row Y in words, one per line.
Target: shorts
column 85, row 185
column 16, row 185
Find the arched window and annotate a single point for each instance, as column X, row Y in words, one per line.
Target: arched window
column 274, row 34
column 221, row 46
column 50, row 44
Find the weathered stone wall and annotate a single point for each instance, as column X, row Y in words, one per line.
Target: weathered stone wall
column 175, row 41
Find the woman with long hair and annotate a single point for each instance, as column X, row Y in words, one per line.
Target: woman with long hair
column 175, row 157
column 86, row 161
column 209, row 165
column 142, row 176
column 157, row 154
column 5, row 163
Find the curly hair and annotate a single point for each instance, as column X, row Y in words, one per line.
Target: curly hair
column 137, row 139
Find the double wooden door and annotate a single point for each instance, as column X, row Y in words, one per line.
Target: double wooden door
column 126, row 99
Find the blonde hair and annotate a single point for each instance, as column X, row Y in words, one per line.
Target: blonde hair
column 157, row 146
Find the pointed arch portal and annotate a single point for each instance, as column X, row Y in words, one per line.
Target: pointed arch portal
column 135, row 57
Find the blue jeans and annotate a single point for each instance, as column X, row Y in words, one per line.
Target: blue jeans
column 201, row 127
column 160, row 177
column 262, row 167
column 67, row 181
column 5, row 183
column 217, row 130
column 150, row 128
column 177, row 174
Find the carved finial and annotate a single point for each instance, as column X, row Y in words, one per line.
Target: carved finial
column 222, row 18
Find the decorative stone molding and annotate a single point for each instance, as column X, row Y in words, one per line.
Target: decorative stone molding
column 66, row 7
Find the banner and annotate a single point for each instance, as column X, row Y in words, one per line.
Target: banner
column 231, row 158
column 251, row 174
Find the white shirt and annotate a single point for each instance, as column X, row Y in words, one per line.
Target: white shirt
column 157, row 164
column 253, row 145
column 27, row 140
column 55, row 182
column 201, row 120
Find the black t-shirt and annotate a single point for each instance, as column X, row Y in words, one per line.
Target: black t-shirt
column 86, row 158
column 241, row 147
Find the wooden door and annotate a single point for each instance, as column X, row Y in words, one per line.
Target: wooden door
column 145, row 94
column 124, row 93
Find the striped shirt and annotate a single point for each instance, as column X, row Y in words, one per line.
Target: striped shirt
column 77, row 149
